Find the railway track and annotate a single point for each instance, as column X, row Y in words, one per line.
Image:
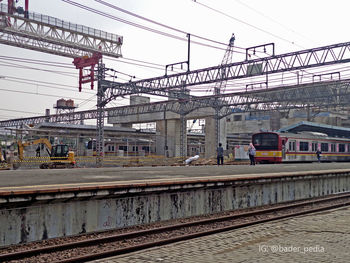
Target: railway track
column 112, row 245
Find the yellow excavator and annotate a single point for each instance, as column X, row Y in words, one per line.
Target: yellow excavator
column 60, row 155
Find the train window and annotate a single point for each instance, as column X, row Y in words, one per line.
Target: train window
column 341, row 147
column 314, row 146
column 111, row 148
column 348, row 147
column 91, row 145
column 123, row 147
column 324, row 147
column 304, row 146
column 135, row 148
column 265, row 141
column 292, row 146
column 145, row 148
column 333, row 148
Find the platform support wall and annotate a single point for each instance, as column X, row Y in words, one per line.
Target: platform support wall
column 32, row 218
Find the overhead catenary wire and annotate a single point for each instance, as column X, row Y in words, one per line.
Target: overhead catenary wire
column 37, row 61
column 42, row 62
column 38, row 93
column 19, row 111
column 68, row 74
column 41, row 83
column 161, row 24
column 271, row 19
column 247, row 24
column 141, row 26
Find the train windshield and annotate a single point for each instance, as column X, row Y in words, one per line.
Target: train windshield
column 265, row 141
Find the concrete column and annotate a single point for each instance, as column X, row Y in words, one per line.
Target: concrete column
column 210, row 138
column 169, row 132
column 161, row 139
column 275, row 120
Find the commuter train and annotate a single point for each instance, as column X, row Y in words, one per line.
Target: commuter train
column 274, row 147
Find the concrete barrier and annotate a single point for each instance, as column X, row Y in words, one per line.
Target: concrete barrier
column 41, row 214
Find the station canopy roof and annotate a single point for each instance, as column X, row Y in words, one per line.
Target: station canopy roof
column 330, row 130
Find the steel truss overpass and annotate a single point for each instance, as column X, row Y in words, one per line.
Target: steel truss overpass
column 323, row 94
column 310, row 58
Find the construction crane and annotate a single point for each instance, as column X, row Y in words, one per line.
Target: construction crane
column 227, row 59
column 85, row 45
column 221, row 86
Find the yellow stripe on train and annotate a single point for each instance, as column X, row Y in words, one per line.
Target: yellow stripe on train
column 268, row 154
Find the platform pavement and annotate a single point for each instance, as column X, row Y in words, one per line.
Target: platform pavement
column 44, row 177
column 320, row 237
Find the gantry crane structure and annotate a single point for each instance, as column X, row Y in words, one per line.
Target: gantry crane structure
column 51, row 35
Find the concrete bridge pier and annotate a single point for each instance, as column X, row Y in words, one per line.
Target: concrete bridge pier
column 168, row 138
column 210, row 136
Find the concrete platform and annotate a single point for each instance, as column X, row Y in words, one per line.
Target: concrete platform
column 320, row 237
column 79, row 176
column 45, row 204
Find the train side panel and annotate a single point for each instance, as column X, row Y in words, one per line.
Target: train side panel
column 273, row 147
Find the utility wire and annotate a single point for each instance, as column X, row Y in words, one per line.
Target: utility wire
column 47, row 63
column 161, row 24
column 41, row 94
column 42, row 83
column 40, row 62
column 139, row 26
column 68, row 74
column 245, row 23
column 19, row 111
column 273, row 20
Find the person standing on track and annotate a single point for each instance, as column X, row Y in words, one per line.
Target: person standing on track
column 220, row 154
column 251, row 153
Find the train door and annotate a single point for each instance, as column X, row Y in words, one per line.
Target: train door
column 314, row 149
column 292, row 150
column 284, row 149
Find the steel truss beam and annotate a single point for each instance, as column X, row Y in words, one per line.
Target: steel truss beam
column 51, row 35
column 283, row 98
column 319, row 94
column 315, row 57
column 173, row 93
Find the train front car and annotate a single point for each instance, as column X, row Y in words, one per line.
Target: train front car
column 268, row 147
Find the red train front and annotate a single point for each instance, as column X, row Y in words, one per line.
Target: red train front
column 268, row 147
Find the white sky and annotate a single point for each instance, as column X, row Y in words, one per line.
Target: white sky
column 298, row 25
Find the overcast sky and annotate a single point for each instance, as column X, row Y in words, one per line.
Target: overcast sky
column 291, row 25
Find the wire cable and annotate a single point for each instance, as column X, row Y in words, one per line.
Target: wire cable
column 160, row 24
column 140, row 26
column 273, row 20
column 247, row 24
